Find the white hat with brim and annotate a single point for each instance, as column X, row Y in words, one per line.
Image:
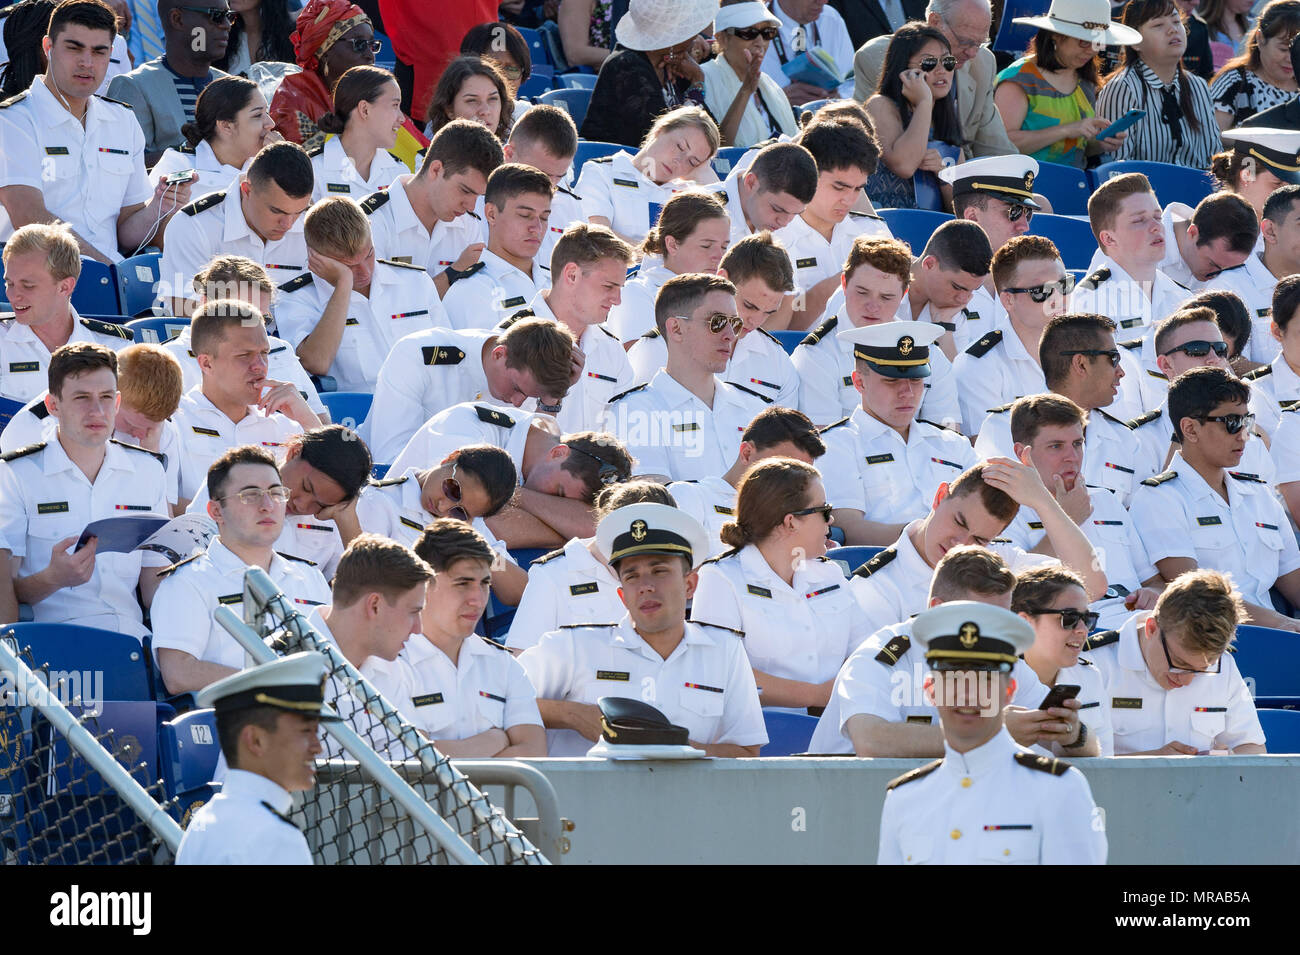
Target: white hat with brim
column 1084, row 20
column 660, row 24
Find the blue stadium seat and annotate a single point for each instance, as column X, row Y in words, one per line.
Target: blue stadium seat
column 576, row 81
column 537, row 48
column 811, row 107
column 536, row 84
column 1014, row 37
column 4, row 297
column 387, row 56
column 157, row 330
column 96, row 291
column 379, row 470
column 851, row 558
column 189, row 749
column 137, row 278
column 573, row 102
column 1066, row 187
column 789, row 339
column 913, row 226
column 115, row 659
column 524, row 556
column 787, row 733
column 8, row 408
column 589, row 149
column 1281, row 730
column 726, row 159
column 1270, row 658
column 1073, row 238
column 347, row 408
column 1171, row 183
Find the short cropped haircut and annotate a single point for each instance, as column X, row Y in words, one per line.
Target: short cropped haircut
column 1032, row 413
column 241, row 454
column 376, row 564
column 587, row 244
column 1203, row 610
column 890, row 256
column 543, row 347
column 968, row 571
column 1279, row 203
column 86, row 13
column 1042, row 585
column 1197, row 392
column 962, row 245
column 151, row 380
column 1070, row 331
column 682, row 295
column 760, row 256
column 614, row 496
column 1225, row 215
column 1103, row 205
column 212, row 319
column 546, row 126
column 55, row 242
column 234, row 277
column 339, row 454
column 1020, row 248
column 462, row 145
column 786, row 168
column 285, row 164
column 495, row 470
column 514, row 179
column 776, row 425
column 998, row 503
column 837, row 146
column 1286, row 299
column 1230, row 314
column 446, row 540
column 337, row 225
column 78, row 358
column 1184, row 316
column 594, row 450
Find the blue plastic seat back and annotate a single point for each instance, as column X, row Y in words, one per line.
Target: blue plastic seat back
column 726, row 159
column 1281, row 730
column 348, row 408
column 573, row 102
column 113, row 664
column 789, row 339
column 157, row 330
column 189, row 751
column 1066, row 187
column 787, row 733
column 1171, row 183
column 576, row 81
column 1072, row 237
column 913, row 226
column 96, row 290
column 8, row 408
column 851, row 558
column 137, row 280
column 1269, row 660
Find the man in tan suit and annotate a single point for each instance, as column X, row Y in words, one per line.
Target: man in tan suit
column 966, row 24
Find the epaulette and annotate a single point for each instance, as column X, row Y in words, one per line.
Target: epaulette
column 204, row 202
column 912, row 775
column 186, row 150
column 22, row 452
column 39, row 411
column 652, row 334
column 833, row 424
column 583, row 626
column 1000, row 409
column 766, row 334
column 473, row 214
column 568, row 192
column 160, row 458
column 107, row 328
column 1099, row 640
column 492, row 643
column 549, row 557
column 1290, row 405
column 883, row 559
column 299, row 282
column 304, row 560
column 1096, row 278
column 1109, row 417
column 893, row 651
column 1133, row 344
column 493, row 416
column 1140, row 420
column 865, row 215
column 115, row 102
column 985, row 344
column 401, row 265
column 316, row 150
column 942, row 427
column 522, row 313
column 718, row 626
column 1044, row 764
column 821, row 331
column 1160, row 479
column 730, row 552
column 1085, row 662
column 764, row 398
column 278, row 814
column 602, row 159
column 1246, row 476
column 168, row 571
column 624, row 394
column 608, row 332
column 442, row 355
column 1258, row 373
column 390, row 481
column 374, row 201
column 16, row 99
column 1180, row 284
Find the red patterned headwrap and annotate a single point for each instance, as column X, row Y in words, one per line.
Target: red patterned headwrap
column 320, row 25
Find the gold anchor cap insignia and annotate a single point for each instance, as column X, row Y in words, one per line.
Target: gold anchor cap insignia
column 905, row 345
column 638, row 530
column 969, row 635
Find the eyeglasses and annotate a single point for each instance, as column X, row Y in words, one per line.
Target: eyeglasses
column 749, row 33
column 216, row 14
column 361, row 45
column 510, row 72
column 253, row 496
column 928, row 63
column 1070, row 617
column 1199, row 349
column 451, row 490
column 823, row 509
column 718, row 321
column 1218, row 663
column 1041, row 293
column 1111, row 353
column 1232, row 423
column 1015, row 212
column 607, row 474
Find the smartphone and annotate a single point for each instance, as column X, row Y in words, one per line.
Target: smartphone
column 1123, row 123
column 185, row 175
column 1059, row 694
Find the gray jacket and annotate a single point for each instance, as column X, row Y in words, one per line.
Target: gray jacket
column 149, row 91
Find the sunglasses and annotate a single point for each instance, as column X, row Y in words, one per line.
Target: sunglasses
column 1070, row 618
column 452, row 492
column 823, row 509
column 718, row 321
column 1016, row 212
column 1199, row 349
column 928, row 63
column 1232, row 423
column 749, row 33
column 1041, row 293
column 1111, row 353
column 361, row 45
column 216, row 14
column 606, row 474
column 1218, row 664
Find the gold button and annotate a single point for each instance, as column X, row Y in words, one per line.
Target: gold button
column 956, row 833
column 909, row 858
column 1006, row 852
column 965, row 782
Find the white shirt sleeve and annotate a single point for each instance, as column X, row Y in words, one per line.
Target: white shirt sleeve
column 538, row 613
column 550, row 665
column 716, row 601
column 594, row 188
column 742, row 716
column 181, row 617
column 20, row 160
column 521, row 698
column 1162, row 523
column 819, row 386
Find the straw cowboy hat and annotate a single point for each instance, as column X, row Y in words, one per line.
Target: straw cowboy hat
column 1084, row 20
column 660, row 24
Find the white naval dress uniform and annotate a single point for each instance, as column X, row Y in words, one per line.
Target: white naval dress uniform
column 401, row 301
column 613, row 187
column 758, row 362
column 1248, row 536
column 705, row 685
column 995, row 371
column 566, row 586
column 398, row 233
column 86, row 174
column 337, row 175
column 1273, row 388
column 884, row 678
column 246, row 823
column 45, row 498
column 566, row 210
column 669, row 431
column 998, row 804
column 463, row 424
column 826, row 364
column 1254, row 283
column 1214, row 711
column 870, row 467
column 25, row 361
column 194, row 588
column 207, row 433
column 214, row 175
column 1109, row 290
column 493, row 293
column 1285, row 450
column 712, row 502
column 813, row 257
column 634, row 315
column 282, row 365
column 1154, row 433
column 1172, row 264
column 802, row 631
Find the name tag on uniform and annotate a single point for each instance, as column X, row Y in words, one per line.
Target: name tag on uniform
column 514, row 302
column 824, row 590
column 759, row 591
column 422, row 311
column 629, row 183
column 209, row 432
column 621, row 676
column 719, row 509
column 880, row 458
column 352, row 321
column 847, row 380
column 1264, row 312
column 53, row 507
column 17, row 366
column 1119, row 467
column 923, row 720
column 56, row 150
column 427, row 699
column 689, row 426
column 808, row 263
column 1209, row 521
column 229, row 599
column 338, row 187
column 701, row 686
column 131, row 507
column 1126, row 702
column 1035, row 525
column 1130, row 322
column 578, row 590
column 414, row 525
column 972, row 316
column 406, row 259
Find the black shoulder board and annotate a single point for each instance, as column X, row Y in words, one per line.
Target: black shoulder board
column 1292, row 405
column 492, row 416
column 985, row 344
column 652, row 334
column 731, row 552
column 522, row 313
column 278, row 814
column 1258, row 373
column 107, row 328
column 551, row 556
column 303, row 560
column 915, row 774
column 115, row 102
column 1246, row 476
column 186, row 149
column 401, row 265
column 718, row 626
column 1044, row 764
column 1110, row 417
column 1095, row 279
column 765, row 333
column 168, row 571
column 883, row 559
column 39, row 411
column 891, row 652
column 764, row 398
column 1103, row 639
column 942, row 427
column 160, row 458
column 602, row 159
column 833, row 424
column 583, row 626
column 474, row 215
column 568, row 192
column 1132, row 344
column 821, row 331
column 390, row 481
column 865, row 215
column 373, row 201
column 607, row 332
column 624, row 394
column 442, row 355
column 22, row 452
column 15, row 99
column 1160, row 479
column 316, row 150
column 1001, row 409
column 204, row 202
column 301, row 281
column 1147, row 418
column 1086, row 662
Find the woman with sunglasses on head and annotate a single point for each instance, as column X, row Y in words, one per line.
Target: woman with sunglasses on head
column 911, row 108
column 793, row 606
column 1047, row 97
column 749, row 104
column 231, row 125
column 475, row 89
column 260, row 33
column 1263, row 76
column 508, row 50
column 364, row 124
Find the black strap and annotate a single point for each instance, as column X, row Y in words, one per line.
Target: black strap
column 780, row 44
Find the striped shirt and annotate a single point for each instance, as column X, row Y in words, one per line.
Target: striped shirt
column 188, row 88
column 1155, row 138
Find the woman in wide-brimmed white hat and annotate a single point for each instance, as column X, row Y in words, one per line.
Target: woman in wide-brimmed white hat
column 1048, row 97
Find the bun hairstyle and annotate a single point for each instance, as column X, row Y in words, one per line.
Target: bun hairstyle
column 679, row 217
column 357, row 85
column 768, row 492
column 220, row 102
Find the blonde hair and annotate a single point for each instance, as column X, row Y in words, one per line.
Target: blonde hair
column 150, row 380
column 336, row 224
column 1203, row 609
column 55, row 242
column 681, row 118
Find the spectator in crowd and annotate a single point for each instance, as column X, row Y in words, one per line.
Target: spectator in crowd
column 1198, row 57
column 586, row 31
column 260, row 32
column 1262, row 77
column 1048, row 97
column 508, row 50
column 867, row 19
column 749, row 104
column 475, row 89
column 356, row 160
column 1260, row 161
column 231, row 125
column 1229, row 28
column 426, row 37
column 809, row 25
column 1285, row 115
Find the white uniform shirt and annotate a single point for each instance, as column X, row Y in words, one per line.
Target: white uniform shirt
column 282, row 365
column 1214, row 711
column 1125, row 300
column 304, row 536
column 802, row 631
column 337, row 175
column 45, row 498
column 463, row 424
column 1272, row 388
column 1286, row 447
column 885, row 677
column 634, row 315
column 244, row 824
column 1254, row 283
column 870, row 467
column 566, row 210
column 712, row 502
column 973, row 320
column 402, row 301
column 398, row 233
column 669, row 431
column 87, row 175
column 1248, row 536
column 813, row 257
column 193, row 589
column 25, row 361
column 759, row 363
column 705, row 685
column 1154, row 434
column 827, row 31
column 613, row 187
column 999, row 804
column 214, row 175
column 493, row 293
column 207, row 433
column 994, row 371
column 566, row 586
column 1173, row 264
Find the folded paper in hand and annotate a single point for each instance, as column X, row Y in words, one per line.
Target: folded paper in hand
column 176, row 537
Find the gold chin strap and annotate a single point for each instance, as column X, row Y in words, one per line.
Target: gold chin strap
column 989, row 187
column 609, row 730
column 1272, row 162
column 897, row 362
column 971, row 655
column 286, row 704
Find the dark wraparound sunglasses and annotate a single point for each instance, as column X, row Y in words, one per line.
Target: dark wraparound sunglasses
column 823, row 509
column 749, row 33
column 1070, row 617
column 1199, row 349
column 1232, row 423
column 1041, row 293
column 1110, row 353
column 216, row 14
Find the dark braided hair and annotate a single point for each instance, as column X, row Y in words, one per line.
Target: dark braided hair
column 276, row 27
column 24, row 25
